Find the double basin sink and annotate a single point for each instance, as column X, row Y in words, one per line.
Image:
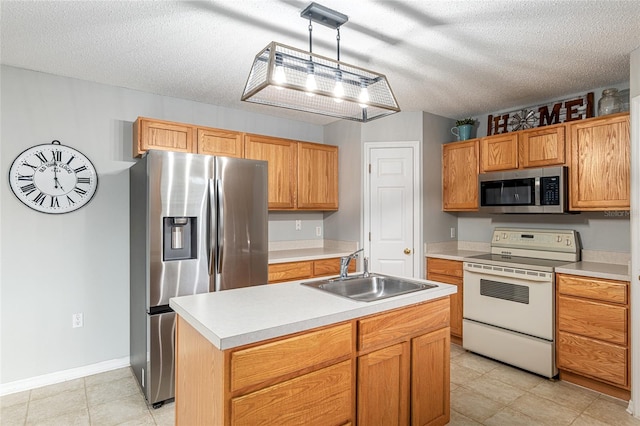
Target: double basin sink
column 368, row 288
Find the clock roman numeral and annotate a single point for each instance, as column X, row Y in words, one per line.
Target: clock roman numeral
column 70, row 200
column 29, row 165
column 54, row 202
column 79, row 191
column 57, row 155
column 70, row 160
column 40, row 198
column 80, row 169
column 28, row 189
column 25, row 177
column 41, row 157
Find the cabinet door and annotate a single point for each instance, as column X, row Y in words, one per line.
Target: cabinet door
column 281, row 154
column 290, row 271
column 499, row 152
column 220, row 142
column 323, row 397
column 383, row 386
column 430, row 378
column 542, row 147
column 600, row 163
column 449, row 272
column 460, row 176
column 317, row 176
column 162, row 135
column 593, row 358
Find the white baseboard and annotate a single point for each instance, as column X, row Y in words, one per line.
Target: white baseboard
column 63, row 376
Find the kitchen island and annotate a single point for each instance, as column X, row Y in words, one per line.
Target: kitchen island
column 291, row 354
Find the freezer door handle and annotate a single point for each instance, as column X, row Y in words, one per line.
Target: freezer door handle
column 220, row 228
column 212, row 226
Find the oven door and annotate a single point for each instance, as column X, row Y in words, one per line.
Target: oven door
column 510, row 298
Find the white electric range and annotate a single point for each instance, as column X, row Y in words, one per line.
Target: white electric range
column 509, row 296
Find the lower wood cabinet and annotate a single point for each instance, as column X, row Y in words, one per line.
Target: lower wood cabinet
column 593, row 333
column 390, row 368
column 291, row 271
column 413, row 371
column 449, row 272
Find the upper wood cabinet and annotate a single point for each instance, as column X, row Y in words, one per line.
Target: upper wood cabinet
column 317, row 176
column 600, row 163
column 499, row 152
column 179, row 137
column 163, row 135
column 281, row 154
column 460, row 176
column 542, row 147
column 220, row 142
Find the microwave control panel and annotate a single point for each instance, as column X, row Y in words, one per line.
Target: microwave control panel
column 550, row 191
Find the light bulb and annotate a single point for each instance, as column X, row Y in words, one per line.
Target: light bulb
column 338, row 91
column 278, row 76
column 364, row 97
column 311, row 85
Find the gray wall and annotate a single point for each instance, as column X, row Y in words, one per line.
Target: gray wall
column 57, row 265
column 437, row 224
column 345, row 224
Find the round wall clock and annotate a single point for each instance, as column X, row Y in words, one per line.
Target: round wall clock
column 53, row 178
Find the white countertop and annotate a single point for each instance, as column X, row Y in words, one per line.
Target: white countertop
column 238, row 317
column 455, row 254
column 302, row 254
column 610, row 271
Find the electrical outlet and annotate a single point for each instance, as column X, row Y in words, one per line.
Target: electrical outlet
column 453, row 232
column 77, row 320
column 318, row 231
column 298, row 225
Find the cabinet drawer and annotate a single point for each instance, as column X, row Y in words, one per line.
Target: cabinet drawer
column 290, row 271
column 321, row 397
column 398, row 325
column 267, row 362
column 599, row 360
column 593, row 319
column 331, row 266
column 444, row 267
column 593, row 288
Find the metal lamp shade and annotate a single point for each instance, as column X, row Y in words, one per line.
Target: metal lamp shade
column 291, row 78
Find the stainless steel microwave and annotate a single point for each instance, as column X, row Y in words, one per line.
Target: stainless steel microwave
column 541, row 190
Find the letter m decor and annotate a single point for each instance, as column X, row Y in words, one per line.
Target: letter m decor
column 542, row 115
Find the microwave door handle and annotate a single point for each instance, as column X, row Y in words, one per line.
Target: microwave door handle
column 537, row 200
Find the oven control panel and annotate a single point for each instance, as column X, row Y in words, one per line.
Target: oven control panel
column 520, row 242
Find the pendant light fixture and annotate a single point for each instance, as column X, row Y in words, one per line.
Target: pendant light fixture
column 287, row 77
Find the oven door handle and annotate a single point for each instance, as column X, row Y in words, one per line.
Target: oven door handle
column 520, row 274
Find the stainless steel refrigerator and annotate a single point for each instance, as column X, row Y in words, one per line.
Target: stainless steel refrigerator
column 198, row 223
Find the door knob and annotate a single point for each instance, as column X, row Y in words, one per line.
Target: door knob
column 407, row 251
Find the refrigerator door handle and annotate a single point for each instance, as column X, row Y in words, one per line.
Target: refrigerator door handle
column 212, row 226
column 220, row 227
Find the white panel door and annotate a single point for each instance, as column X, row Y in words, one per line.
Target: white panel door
column 391, row 199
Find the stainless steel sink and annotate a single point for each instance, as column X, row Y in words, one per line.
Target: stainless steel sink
column 367, row 289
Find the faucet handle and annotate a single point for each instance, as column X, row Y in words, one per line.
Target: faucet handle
column 365, row 261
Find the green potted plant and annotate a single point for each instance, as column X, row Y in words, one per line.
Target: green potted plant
column 463, row 128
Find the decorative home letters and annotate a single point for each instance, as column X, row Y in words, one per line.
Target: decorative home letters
column 543, row 115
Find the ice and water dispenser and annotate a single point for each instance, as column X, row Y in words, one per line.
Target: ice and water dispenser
column 179, row 235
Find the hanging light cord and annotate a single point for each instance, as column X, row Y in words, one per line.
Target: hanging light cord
column 310, row 30
column 338, row 42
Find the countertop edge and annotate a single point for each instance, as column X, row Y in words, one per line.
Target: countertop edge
column 354, row 310
column 595, row 270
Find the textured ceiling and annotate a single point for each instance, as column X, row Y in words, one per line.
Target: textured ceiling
column 452, row 58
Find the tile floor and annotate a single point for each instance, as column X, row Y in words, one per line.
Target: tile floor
column 483, row 392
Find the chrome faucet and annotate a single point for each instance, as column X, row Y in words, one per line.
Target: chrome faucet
column 344, row 263
column 365, row 274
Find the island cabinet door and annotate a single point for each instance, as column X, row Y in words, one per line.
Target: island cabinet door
column 430, row 379
column 323, row 397
column 383, row 386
